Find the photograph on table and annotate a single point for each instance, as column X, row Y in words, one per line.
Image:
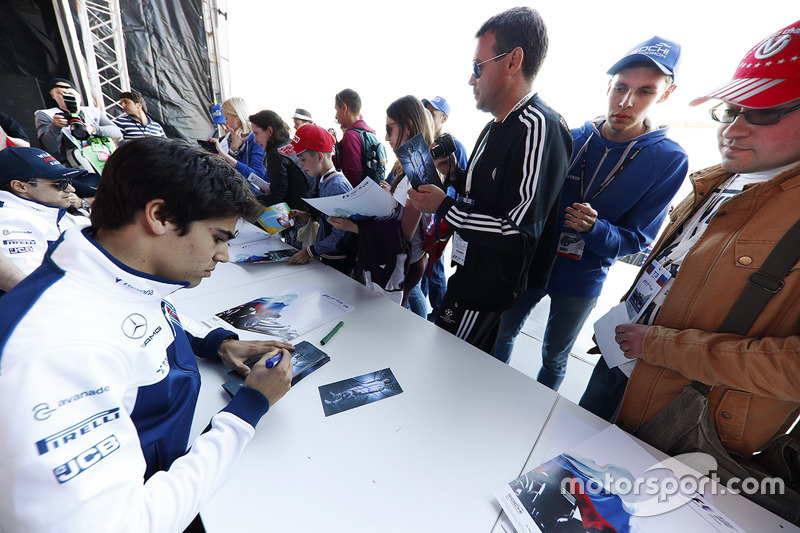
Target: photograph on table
column 306, row 358
column 609, row 483
column 254, row 245
column 286, row 315
column 361, row 390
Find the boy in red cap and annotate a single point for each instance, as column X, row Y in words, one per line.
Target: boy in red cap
column 334, row 247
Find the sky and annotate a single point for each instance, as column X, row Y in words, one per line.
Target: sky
column 285, row 55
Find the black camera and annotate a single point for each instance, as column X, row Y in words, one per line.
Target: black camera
column 76, row 126
column 443, row 146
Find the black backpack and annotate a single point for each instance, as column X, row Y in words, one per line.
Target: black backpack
column 373, row 156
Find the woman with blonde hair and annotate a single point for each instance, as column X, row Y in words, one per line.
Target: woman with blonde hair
column 244, row 153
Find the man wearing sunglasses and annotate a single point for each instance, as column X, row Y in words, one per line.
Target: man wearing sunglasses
column 716, row 240
column 35, row 193
column 505, row 214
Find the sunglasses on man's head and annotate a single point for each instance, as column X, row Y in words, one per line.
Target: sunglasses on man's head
column 61, row 184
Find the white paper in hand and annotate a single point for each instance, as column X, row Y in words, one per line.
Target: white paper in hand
column 604, row 332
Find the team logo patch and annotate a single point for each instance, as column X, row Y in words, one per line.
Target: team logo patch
column 86, row 460
column 287, row 150
column 76, row 431
column 772, row 46
column 134, row 326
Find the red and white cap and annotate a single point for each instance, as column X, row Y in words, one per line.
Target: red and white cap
column 768, row 76
column 312, row 137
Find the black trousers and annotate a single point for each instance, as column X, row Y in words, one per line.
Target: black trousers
column 479, row 328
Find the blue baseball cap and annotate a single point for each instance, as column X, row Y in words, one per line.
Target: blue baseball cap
column 30, row 163
column 216, row 114
column 438, row 103
column 663, row 53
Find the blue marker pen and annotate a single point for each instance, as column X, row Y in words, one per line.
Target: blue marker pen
column 272, row 361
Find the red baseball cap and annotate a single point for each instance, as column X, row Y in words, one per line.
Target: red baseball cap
column 768, row 76
column 312, row 137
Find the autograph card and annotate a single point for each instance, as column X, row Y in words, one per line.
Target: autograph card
column 358, row 391
column 306, row 358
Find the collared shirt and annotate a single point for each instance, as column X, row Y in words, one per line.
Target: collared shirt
column 133, row 129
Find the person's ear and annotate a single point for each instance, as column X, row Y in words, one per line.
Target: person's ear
column 153, row 217
column 18, row 186
column 515, row 65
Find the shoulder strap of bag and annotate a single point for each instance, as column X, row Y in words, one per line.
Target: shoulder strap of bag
column 762, row 285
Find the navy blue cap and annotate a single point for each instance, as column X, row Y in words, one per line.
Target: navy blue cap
column 438, row 103
column 60, row 82
column 663, row 53
column 216, row 114
column 31, row 163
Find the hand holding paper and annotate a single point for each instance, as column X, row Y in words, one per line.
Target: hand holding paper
column 605, row 333
column 427, row 198
column 630, row 338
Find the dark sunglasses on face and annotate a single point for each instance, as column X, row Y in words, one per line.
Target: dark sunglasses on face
column 61, row 184
column 389, row 129
column 757, row 117
column 476, row 67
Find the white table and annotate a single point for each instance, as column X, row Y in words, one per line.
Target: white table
column 424, row 460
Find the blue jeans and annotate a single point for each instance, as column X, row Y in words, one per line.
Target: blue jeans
column 567, row 316
column 434, row 286
column 603, row 394
column 416, row 301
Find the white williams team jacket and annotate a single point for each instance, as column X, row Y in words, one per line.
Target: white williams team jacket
column 70, row 455
column 27, row 228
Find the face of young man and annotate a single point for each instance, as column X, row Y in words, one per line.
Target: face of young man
column 311, row 163
column 45, row 192
column 749, row 148
column 130, row 107
column 194, row 256
column 341, row 113
column 631, row 94
column 299, row 123
column 490, row 88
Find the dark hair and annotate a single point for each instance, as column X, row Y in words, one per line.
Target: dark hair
column 351, row 99
column 408, row 111
column 134, row 97
column 194, row 184
column 270, row 119
column 519, row 27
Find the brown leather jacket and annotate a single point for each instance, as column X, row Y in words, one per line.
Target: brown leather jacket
column 756, row 378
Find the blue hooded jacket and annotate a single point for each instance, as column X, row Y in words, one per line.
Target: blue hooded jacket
column 630, row 210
